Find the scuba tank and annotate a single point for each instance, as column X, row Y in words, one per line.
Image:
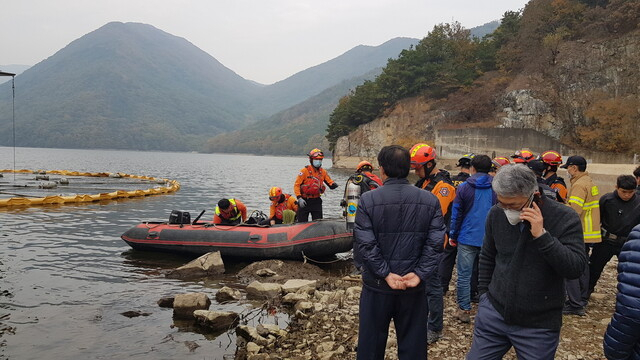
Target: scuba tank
column 350, row 202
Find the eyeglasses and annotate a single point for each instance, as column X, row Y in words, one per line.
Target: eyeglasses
column 504, row 206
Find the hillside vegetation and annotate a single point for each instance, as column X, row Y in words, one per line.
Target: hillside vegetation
column 463, row 77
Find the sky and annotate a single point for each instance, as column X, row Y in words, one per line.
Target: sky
column 261, row 40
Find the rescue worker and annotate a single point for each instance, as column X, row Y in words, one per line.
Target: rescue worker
column 522, row 156
column 365, row 177
column 584, row 198
column 619, row 214
column 310, row 185
column 438, row 182
column 230, row 212
column 538, row 168
column 464, row 163
column 497, row 163
column 279, row 203
column 552, row 160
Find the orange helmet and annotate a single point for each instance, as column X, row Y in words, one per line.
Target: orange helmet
column 274, row 193
column 522, row 156
column 316, row 154
column 500, row 161
column 551, row 157
column 363, row 165
column 421, row 154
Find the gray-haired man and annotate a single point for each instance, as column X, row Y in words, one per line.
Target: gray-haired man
column 531, row 244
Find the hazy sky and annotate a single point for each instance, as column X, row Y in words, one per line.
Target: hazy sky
column 261, row 40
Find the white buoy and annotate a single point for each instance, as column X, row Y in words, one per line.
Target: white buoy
column 48, row 185
column 64, row 181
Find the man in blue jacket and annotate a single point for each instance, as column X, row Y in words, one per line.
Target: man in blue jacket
column 397, row 237
column 622, row 338
column 473, row 201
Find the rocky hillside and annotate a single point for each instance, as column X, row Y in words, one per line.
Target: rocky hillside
column 582, row 91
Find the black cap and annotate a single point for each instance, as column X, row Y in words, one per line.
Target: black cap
column 574, row 160
column 537, row 166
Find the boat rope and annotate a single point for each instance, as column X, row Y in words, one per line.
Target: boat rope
column 305, row 257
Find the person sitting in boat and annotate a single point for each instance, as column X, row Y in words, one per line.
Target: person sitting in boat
column 280, row 202
column 309, row 186
column 230, row 212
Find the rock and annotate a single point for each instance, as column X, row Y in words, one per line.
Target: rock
column 258, row 357
column 266, row 273
column 597, row 296
column 258, row 290
column 303, row 306
column 207, row 264
column 265, row 330
column 226, row 294
column 293, row 298
column 253, row 348
column 354, row 292
column 250, row 334
column 185, row 304
column 134, row 313
column 166, row 302
column 216, row 320
column 298, row 285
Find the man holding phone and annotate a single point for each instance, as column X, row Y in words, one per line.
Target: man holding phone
column 531, row 245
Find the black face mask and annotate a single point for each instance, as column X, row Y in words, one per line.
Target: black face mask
column 281, row 199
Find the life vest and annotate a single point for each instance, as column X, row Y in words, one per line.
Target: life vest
column 236, row 214
column 556, row 182
column 281, row 207
column 312, row 186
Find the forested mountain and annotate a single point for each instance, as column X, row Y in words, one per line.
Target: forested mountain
column 127, row 86
column 292, row 131
column 355, row 62
column 567, row 69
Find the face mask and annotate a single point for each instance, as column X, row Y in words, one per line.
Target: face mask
column 316, row 163
column 513, row 216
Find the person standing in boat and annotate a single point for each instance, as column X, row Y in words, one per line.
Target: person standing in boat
column 310, row 185
column 230, row 212
column 280, row 202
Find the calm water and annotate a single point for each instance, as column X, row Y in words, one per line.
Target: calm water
column 66, row 276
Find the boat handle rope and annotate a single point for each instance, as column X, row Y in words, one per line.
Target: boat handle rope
column 305, row 257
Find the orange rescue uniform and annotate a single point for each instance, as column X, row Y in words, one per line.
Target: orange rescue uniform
column 310, row 182
column 239, row 210
column 277, row 208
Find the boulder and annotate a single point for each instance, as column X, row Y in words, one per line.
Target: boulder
column 185, row 304
column 298, row 285
column 226, row 294
column 216, row 320
column 207, row 264
column 258, row 290
column 166, row 302
column 265, row 330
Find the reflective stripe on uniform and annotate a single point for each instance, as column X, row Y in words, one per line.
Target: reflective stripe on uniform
column 576, row 200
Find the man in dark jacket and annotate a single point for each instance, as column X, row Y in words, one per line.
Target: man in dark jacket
column 531, row 245
column 619, row 213
column 470, row 208
column 622, row 338
column 397, row 235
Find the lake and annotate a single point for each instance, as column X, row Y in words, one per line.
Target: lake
column 67, row 277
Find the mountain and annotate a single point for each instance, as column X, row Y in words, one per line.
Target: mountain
column 290, row 132
column 353, row 63
column 127, row 85
column 14, row 69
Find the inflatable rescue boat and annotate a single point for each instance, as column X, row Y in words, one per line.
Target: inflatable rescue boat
column 315, row 239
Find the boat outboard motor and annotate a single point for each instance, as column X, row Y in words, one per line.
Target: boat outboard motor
column 179, row 217
column 352, row 196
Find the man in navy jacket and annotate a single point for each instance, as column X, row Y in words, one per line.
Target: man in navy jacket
column 397, row 239
column 622, row 339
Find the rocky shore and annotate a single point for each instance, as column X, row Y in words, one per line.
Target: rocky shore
column 324, row 317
